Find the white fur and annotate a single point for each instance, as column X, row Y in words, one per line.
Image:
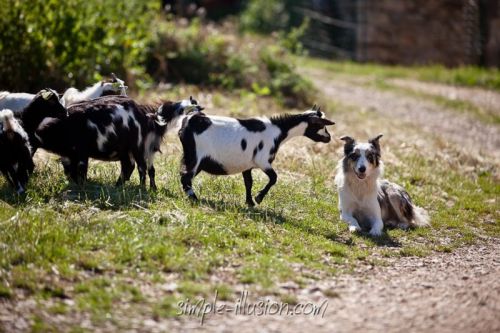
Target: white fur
column 11, row 123
column 356, row 195
column 361, row 195
column 222, row 142
column 72, row 95
column 14, row 101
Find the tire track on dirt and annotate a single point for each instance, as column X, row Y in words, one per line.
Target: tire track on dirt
column 462, row 130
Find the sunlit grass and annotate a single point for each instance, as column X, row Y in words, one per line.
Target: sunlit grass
column 471, row 76
column 105, row 247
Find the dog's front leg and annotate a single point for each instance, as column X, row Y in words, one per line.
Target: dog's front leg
column 377, row 227
column 353, row 223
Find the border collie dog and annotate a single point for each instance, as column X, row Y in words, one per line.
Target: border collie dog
column 367, row 200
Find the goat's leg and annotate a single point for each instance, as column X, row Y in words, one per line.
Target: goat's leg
column 247, row 177
column 142, row 168
column 151, row 174
column 14, row 180
column 272, row 180
column 127, row 167
column 187, row 184
column 81, row 170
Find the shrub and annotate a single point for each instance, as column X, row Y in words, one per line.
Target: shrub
column 57, row 44
column 265, row 16
column 204, row 55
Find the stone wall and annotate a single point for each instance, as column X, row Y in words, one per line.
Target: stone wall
column 419, row 32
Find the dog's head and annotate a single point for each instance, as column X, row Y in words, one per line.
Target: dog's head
column 361, row 158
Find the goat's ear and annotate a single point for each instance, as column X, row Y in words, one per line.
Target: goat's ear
column 320, row 121
column 374, row 141
column 46, row 94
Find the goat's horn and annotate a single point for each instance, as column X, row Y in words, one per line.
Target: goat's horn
column 314, row 107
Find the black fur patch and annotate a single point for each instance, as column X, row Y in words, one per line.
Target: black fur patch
column 199, row 123
column 255, row 152
column 349, row 147
column 261, row 145
column 14, row 149
column 211, row 166
column 73, row 138
column 243, row 144
column 186, row 136
column 37, row 110
column 285, row 123
column 253, row 125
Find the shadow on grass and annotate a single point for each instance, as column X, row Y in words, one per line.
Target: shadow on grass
column 104, row 196
column 254, row 213
column 10, row 196
column 383, row 240
column 111, row 197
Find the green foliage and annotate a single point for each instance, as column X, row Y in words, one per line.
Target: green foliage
column 285, row 82
column 265, row 16
column 291, row 40
column 60, row 43
column 203, row 55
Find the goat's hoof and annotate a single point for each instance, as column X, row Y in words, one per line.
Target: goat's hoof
column 193, row 197
column 258, row 199
column 250, row 203
column 153, row 188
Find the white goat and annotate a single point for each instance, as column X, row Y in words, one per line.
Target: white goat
column 225, row 146
column 18, row 101
column 113, row 86
column 14, row 101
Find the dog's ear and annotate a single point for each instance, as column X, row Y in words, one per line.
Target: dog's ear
column 349, row 144
column 375, row 143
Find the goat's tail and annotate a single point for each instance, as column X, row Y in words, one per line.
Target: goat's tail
column 7, row 119
column 420, row 217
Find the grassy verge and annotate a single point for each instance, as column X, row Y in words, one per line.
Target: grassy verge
column 97, row 251
column 469, row 76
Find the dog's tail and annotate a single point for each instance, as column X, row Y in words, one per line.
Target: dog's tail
column 420, row 217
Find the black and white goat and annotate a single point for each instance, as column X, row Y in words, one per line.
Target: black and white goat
column 225, row 146
column 113, row 86
column 43, row 107
column 111, row 128
column 16, row 163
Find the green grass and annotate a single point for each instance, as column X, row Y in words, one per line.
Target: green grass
column 104, row 247
column 469, row 76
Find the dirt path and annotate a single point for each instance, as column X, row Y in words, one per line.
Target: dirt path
column 458, row 292
column 483, row 98
column 460, row 129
